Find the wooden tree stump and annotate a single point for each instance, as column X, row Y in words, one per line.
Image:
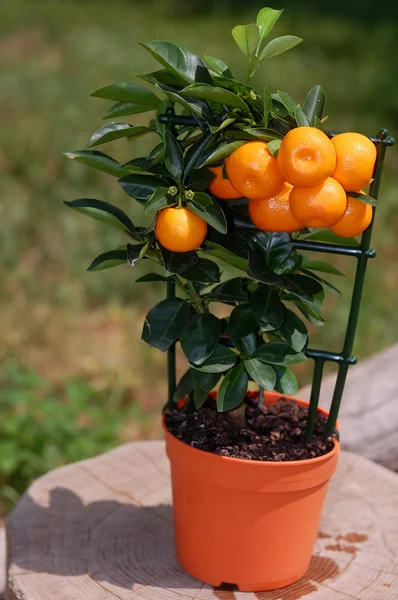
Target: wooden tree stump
column 102, row 529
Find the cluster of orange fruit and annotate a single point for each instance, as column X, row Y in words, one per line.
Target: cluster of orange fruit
column 307, row 185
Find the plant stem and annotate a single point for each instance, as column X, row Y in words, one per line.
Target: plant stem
column 195, row 297
column 261, row 395
column 180, row 285
column 238, row 415
column 313, row 407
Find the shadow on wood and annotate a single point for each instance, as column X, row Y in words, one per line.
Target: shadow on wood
column 102, row 529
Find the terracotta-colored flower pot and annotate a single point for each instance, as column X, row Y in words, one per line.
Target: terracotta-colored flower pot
column 248, row 523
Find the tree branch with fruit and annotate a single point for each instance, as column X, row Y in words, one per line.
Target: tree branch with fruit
column 236, row 177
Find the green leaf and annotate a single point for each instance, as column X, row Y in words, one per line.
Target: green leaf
column 178, row 262
column 128, row 92
column 141, row 187
column 162, row 76
column 219, row 152
column 267, row 308
column 246, row 37
column 205, row 381
column 222, row 359
column 267, row 99
column 158, row 200
column 300, row 117
column 198, row 107
column 229, row 241
column 262, row 133
column 152, row 277
column 363, row 198
column 318, row 123
column 322, row 281
column 107, row 260
column 279, row 45
column 98, row 160
column 241, row 322
column 308, row 289
column 207, row 208
column 246, row 345
column 212, row 93
column 173, row 156
column 314, row 104
column 199, row 179
column 229, row 291
column 228, row 257
column 286, row 382
column 165, row 322
column 318, row 265
column 310, row 311
column 226, row 124
column 266, row 19
column 203, row 384
column 185, row 66
column 233, row 388
column 287, row 101
column 135, row 253
column 274, row 248
column 205, row 271
column 274, row 146
column 325, row 235
column 122, row 109
column 218, row 66
column 294, row 331
column 155, row 156
column 261, row 373
column 258, row 270
column 195, row 151
column 102, row 211
column 279, row 353
column 184, row 387
column 116, row 131
column 200, row 338
column 291, row 264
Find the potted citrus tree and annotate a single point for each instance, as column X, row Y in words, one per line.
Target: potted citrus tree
column 237, row 184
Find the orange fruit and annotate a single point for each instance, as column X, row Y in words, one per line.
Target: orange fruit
column 221, row 187
column 253, row 171
column 319, row 206
column 306, row 157
column 356, row 156
column 355, row 220
column 180, row 229
column 273, row 214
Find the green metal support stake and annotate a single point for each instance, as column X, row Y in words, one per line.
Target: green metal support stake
column 171, row 292
column 171, row 355
column 314, row 400
column 366, row 253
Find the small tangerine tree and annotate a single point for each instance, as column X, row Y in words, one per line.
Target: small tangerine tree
column 235, row 178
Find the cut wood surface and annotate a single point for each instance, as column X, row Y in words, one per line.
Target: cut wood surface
column 369, row 410
column 102, row 529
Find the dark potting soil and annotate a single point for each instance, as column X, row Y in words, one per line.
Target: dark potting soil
column 273, row 432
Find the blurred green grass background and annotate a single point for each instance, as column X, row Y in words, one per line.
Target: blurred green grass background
column 60, row 324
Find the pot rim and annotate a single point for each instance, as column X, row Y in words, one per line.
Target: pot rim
column 263, row 463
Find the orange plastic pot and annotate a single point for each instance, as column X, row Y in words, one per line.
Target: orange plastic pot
column 248, row 523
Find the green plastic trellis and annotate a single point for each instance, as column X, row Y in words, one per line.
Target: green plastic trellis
column 362, row 253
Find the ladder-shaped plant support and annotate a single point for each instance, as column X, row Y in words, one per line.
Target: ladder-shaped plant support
column 362, row 253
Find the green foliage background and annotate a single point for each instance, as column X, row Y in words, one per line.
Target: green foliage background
column 57, row 321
